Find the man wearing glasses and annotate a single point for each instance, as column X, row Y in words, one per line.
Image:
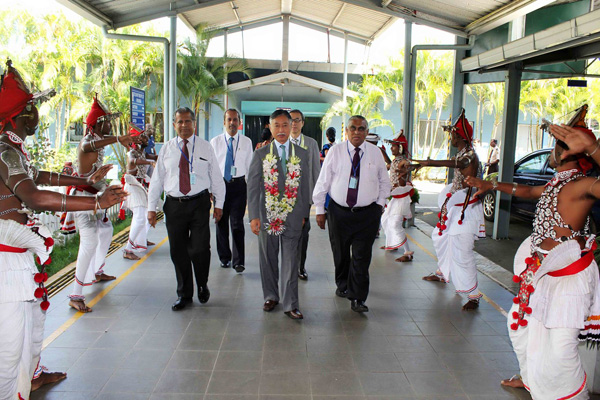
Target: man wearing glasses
column 355, row 176
column 314, row 167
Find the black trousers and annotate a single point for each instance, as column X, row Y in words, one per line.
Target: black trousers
column 301, row 258
column 352, row 234
column 233, row 214
column 189, row 240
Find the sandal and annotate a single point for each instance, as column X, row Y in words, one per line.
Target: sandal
column 432, row 278
column 103, row 277
column 405, row 258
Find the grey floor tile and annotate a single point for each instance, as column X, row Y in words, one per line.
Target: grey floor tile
column 339, row 397
column 117, row 340
column 409, row 344
column 177, row 396
column 335, row 383
column 284, row 383
column 501, row 360
column 284, row 397
column 464, row 362
column 192, row 341
column 132, row 381
column 477, row 383
column 283, row 342
column 147, row 359
column 56, row 395
column 437, row 328
column 159, row 341
column 208, row 326
column 376, row 362
column 232, row 397
column 92, row 324
column 434, row 383
column 285, row 361
column 385, row 384
column 400, row 328
column 420, row 362
column 180, row 381
column 330, row 362
column 86, row 380
column 368, row 343
column 193, row 360
column 81, row 340
column 239, row 361
column 61, row 359
column 323, row 328
column 451, row 344
column 243, row 342
column 327, row 344
column 234, row 382
column 100, row 358
column 491, row 343
column 124, row 395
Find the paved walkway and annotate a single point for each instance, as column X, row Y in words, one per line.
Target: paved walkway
column 415, row 343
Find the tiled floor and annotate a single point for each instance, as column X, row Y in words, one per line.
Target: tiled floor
column 415, row 343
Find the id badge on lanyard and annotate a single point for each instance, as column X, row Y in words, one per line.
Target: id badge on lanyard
column 353, row 184
column 233, row 170
column 192, row 178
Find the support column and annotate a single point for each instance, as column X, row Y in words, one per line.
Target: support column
column 458, row 95
column 508, row 140
column 173, row 74
column 225, row 96
column 407, row 107
column 166, row 110
column 345, row 85
column 285, row 47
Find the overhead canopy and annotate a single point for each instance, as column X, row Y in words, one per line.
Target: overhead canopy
column 361, row 19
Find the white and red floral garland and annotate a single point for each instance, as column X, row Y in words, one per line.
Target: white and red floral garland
column 279, row 205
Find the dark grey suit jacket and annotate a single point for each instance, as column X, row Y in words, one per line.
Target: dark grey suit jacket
column 256, row 189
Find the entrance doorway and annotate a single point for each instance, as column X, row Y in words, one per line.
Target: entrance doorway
column 254, row 125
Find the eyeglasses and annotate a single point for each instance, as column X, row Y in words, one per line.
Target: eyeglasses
column 361, row 129
column 296, row 120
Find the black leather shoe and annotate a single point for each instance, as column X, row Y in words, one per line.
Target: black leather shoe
column 302, row 275
column 341, row 293
column 225, row 265
column 294, row 314
column 203, row 294
column 239, row 268
column 180, row 304
column 359, row 306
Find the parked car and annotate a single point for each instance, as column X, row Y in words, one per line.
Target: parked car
column 533, row 170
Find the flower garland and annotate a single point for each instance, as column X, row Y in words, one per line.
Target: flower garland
column 279, row 205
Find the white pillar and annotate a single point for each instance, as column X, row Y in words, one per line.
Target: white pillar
column 285, row 46
column 345, row 84
column 173, row 75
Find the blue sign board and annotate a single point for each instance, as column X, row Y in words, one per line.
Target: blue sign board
column 137, row 102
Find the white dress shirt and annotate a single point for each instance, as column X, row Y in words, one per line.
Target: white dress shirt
column 204, row 165
column 374, row 181
column 287, row 148
column 242, row 152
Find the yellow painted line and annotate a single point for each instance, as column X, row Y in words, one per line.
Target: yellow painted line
column 99, row 297
column 428, row 212
column 490, row 301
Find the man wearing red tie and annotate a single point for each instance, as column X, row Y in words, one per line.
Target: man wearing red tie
column 188, row 172
column 355, row 176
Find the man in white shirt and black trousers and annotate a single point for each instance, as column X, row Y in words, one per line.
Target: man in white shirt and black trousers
column 188, row 172
column 234, row 152
column 355, row 176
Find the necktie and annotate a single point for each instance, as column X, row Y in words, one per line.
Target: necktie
column 229, row 160
column 283, row 160
column 184, row 170
column 352, row 195
column 295, row 141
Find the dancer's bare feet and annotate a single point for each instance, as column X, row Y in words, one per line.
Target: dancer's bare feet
column 79, row 305
column 130, row 255
column 405, row 258
column 103, row 277
column 514, row 382
column 46, row 378
column 471, row 305
column 432, row 278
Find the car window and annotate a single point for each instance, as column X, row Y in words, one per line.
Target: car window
column 532, row 165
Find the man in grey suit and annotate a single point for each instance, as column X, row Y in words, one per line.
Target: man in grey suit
column 278, row 203
column 314, row 165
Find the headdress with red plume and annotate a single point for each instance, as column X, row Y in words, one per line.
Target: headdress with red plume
column 462, row 127
column 99, row 113
column 578, row 122
column 15, row 95
column 402, row 141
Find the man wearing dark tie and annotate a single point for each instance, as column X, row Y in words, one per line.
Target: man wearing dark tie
column 188, row 172
column 234, row 151
column 355, row 176
column 278, row 203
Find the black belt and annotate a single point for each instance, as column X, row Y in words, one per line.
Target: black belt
column 353, row 209
column 188, row 198
column 239, row 178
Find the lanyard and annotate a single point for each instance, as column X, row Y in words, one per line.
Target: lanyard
column 186, row 157
column 354, row 169
column 237, row 144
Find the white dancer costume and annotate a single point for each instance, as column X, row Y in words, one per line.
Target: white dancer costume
column 22, row 327
column 136, row 184
column 558, row 303
column 454, row 239
column 397, row 210
column 95, row 232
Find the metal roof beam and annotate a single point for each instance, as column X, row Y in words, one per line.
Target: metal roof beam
column 337, row 16
column 87, row 11
column 234, row 8
column 505, row 14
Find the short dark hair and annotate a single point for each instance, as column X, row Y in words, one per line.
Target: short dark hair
column 184, row 110
column 232, row 109
column 360, row 117
column 299, row 112
column 494, row 141
column 278, row 113
column 266, row 134
column 330, row 133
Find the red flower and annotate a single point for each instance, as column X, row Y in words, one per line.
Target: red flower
column 39, row 292
column 448, row 195
column 516, row 278
column 38, row 278
column 527, row 310
column 515, row 315
column 523, row 322
column 44, row 305
column 514, row 327
column 49, row 242
column 440, row 214
column 460, row 221
column 516, row 300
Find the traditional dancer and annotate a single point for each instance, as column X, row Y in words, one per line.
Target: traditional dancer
column 398, row 208
column 23, row 297
column 559, row 299
column 460, row 218
column 95, row 229
column 136, row 184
